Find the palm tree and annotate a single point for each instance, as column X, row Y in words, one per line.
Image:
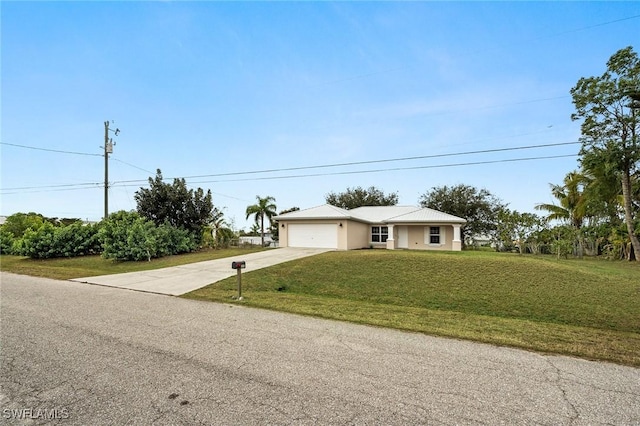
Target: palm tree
column 265, row 207
column 573, row 203
column 217, row 224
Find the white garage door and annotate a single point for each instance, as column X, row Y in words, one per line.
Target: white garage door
column 323, row 235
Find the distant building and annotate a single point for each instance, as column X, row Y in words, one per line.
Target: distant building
column 255, row 240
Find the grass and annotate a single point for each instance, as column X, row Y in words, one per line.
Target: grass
column 586, row 308
column 88, row 266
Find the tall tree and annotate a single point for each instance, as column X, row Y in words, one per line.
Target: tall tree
column 573, row 203
column 478, row 207
column 175, row 204
column 264, row 208
column 358, row 197
column 603, row 191
column 611, row 124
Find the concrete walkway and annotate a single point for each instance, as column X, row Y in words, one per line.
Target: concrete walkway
column 182, row 279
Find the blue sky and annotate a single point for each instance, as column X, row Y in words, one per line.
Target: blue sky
column 214, row 88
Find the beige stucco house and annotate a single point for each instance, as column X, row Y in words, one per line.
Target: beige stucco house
column 390, row 227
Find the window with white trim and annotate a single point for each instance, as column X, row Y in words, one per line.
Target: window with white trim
column 379, row 234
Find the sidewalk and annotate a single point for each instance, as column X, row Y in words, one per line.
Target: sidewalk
column 179, row 280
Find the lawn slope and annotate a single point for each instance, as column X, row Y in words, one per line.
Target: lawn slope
column 584, row 308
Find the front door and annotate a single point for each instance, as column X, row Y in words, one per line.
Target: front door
column 403, row 237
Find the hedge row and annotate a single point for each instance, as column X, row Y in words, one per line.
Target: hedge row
column 123, row 236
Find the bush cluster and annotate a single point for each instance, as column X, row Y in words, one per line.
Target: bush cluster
column 128, row 236
column 47, row 241
column 123, row 236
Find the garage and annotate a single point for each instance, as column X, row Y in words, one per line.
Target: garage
column 320, row 235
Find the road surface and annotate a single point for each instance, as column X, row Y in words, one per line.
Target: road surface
column 78, row 354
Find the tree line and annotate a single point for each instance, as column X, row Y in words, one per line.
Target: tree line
column 169, row 219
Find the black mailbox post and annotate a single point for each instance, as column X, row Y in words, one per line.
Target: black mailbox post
column 239, row 265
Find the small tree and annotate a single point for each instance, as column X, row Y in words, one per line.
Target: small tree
column 18, row 223
column 518, row 228
column 264, row 208
column 358, row 197
column 478, row 207
column 572, row 207
column 129, row 236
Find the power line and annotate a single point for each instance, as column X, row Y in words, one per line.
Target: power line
column 54, row 187
column 357, row 163
column 50, row 150
column 436, row 166
column 353, row 163
column 38, row 189
column 602, row 24
column 75, row 153
column 352, row 172
column 131, row 165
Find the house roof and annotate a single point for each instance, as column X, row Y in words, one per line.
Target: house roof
column 379, row 214
column 326, row 211
column 426, row 215
column 374, row 214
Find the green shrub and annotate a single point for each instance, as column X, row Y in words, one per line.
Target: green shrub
column 49, row 241
column 119, row 232
column 6, row 241
column 18, row 223
column 39, row 243
column 76, row 240
column 174, row 240
column 129, row 236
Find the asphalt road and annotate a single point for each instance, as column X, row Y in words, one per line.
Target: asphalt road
column 86, row 354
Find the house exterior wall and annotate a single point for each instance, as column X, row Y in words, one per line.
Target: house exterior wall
column 353, row 235
column 359, row 235
column 417, row 238
column 283, row 233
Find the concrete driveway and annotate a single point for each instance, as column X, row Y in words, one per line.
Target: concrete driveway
column 182, row 279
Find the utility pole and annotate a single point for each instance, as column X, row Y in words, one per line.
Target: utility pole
column 108, row 149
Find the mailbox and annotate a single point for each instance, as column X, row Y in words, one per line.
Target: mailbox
column 240, row 264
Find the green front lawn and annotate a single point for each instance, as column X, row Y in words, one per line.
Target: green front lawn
column 88, row 266
column 586, row 308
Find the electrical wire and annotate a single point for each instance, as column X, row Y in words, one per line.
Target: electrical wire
column 50, row 150
column 349, row 172
column 433, row 166
column 357, row 163
column 131, row 165
column 353, row 163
